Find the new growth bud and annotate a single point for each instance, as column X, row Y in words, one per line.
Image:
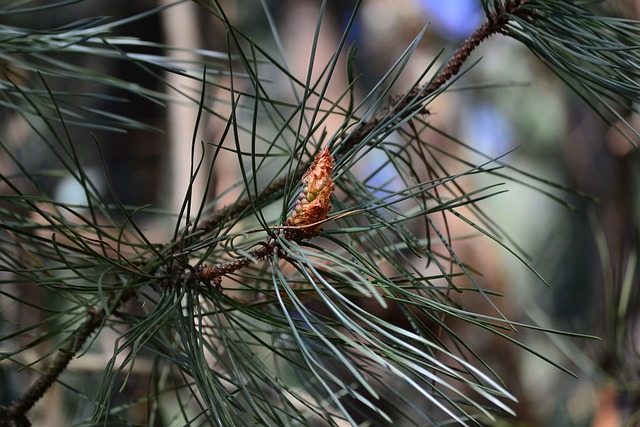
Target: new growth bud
column 313, row 202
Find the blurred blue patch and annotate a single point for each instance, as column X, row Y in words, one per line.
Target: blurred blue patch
column 382, row 178
column 488, row 130
column 454, row 19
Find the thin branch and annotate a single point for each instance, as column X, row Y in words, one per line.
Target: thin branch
column 495, row 24
column 212, row 275
column 15, row 413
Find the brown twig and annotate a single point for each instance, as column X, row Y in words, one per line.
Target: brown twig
column 494, row 25
column 231, row 211
column 14, row 415
column 212, row 275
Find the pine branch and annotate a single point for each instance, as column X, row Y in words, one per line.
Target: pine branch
column 74, row 344
column 15, row 414
column 495, row 24
column 398, row 109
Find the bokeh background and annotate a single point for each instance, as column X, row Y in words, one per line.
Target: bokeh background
column 507, row 101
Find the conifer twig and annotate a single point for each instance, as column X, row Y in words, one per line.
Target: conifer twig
column 495, row 24
column 15, row 414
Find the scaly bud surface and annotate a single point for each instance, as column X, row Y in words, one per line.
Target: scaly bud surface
column 313, row 202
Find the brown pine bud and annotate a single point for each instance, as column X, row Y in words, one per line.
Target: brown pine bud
column 313, row 202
